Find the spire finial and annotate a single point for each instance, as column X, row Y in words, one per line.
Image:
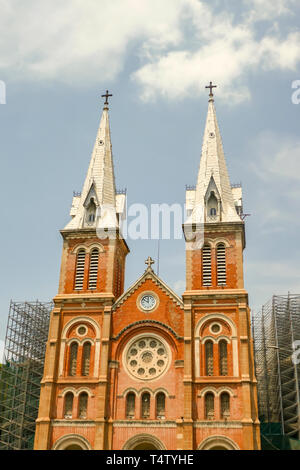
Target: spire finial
column 106, row 96
column 149, row 261
column 211, row 86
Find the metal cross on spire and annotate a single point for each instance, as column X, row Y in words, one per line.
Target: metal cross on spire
column 211, row 86
column 106, row 96
column 149, row 261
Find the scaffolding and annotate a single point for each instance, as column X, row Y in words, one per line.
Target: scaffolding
column 21, row 373
column 276, row 331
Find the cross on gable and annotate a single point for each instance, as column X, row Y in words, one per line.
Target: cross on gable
column 149, row 261
column 106, row 96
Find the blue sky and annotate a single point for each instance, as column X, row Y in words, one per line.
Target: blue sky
column 57, row 58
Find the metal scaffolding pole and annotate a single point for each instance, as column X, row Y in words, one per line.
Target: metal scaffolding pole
column 20, row 376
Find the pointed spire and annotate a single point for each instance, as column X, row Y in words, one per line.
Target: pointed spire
column 213, row 175
column 99, row 186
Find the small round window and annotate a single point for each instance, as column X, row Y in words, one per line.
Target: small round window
column 215, row 328
column 82, row 330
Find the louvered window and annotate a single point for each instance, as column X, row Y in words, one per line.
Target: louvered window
column 145, row 405
column 221, row 265
column 83, row 402
column 225, row 405
column 206, row 265
column 209, row 406
column 86, row 356
column 73, row 359
column 209, row 358
column 160, row 405
column 130, row 405
column 94, row 260
column 68, row 405
column 80, row 270
column 223, row 357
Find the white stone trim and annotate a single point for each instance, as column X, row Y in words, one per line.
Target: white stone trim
column 72, row 439
column 213, row 441
column 83, row 319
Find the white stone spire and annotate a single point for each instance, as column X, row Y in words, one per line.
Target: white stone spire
column 99, row 191
column 213, row 199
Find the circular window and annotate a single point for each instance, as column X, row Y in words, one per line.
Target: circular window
column 146, row 357
column 82, row 330
column 215, row 328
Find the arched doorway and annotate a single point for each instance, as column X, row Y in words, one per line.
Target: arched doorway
column 218, row 443
column 72, row 442
column 144, row 442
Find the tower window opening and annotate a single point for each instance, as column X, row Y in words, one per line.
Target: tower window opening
column 94, row 260
column 221, row 264
column 83, row 402
column 86, row 356
column 209, row 405
column 225, row 405
column 80, row 270
column 73, row 359
column 209, row 358
column 212, row 205
column 206, row 265
column 223, row 355
column 68, row 405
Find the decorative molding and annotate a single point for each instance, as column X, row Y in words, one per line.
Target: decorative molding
column 143, row 322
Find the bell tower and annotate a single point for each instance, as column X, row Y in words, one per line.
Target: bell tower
column 74, row 385
column 219, row 373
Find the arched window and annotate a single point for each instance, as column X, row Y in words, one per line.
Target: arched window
column 79, row 276
column 160, row 405
column 209, row 405
column 209, row 358
column 146, row 405
column 225, row 405
column 86, row 356
column 130, row 405
column 82, row 406
column 68, row 405
column 93, row 274
column 206, row 265
column 221, row 264
column 223, row 357
column 91, row 212
column 212, row 206
column 73, row 359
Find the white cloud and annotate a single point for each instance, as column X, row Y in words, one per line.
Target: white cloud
column 179, row 286
column 278, row 157
column 181, row 44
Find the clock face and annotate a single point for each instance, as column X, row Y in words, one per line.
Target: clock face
column 148, row 302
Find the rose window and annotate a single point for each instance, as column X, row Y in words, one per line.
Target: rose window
column 147, row 358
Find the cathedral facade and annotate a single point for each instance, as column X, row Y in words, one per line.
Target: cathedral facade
column 145, row 368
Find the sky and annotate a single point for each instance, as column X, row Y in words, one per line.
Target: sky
column 57, row 58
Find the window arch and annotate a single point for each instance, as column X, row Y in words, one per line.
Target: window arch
column 206, row 265
column 130, row 405
column 225, row 405
column 209, row 405
column 73, row 359
column 160, row 405
column 223, row 357
column 79, row 276
column 69, row 397
column 86, row 359
column 93, row 271
column 209, row 358
column 82, row 406
column 146, row 405
column 221, row 264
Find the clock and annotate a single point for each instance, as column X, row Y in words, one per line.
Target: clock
column 148, row 302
